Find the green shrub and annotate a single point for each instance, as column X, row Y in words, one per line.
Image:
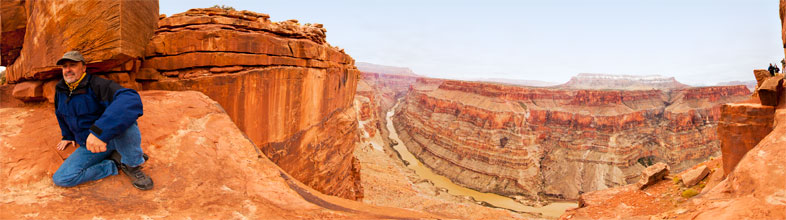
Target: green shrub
column 676, row 180
column 647, row 161
column 689, row 193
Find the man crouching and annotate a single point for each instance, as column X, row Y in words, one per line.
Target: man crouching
column 100, row 116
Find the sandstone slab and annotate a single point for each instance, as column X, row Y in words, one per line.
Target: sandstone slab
column 693, row 176
column 108, row 33
column 652, row 175
column 29, row 91
column 206, row 39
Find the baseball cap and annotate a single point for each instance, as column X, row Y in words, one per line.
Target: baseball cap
column 71, row 55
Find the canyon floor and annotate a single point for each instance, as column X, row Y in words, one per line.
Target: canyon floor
column 387, row 182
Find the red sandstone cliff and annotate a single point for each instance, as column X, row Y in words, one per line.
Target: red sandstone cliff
column 535, row 141
column 287, row 89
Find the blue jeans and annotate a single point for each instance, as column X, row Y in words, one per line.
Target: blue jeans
column 82, row 165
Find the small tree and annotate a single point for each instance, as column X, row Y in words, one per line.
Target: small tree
column 224, row 7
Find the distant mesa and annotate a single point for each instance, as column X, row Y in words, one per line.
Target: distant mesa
column 751, row 84
column 621, row 82
column 377, row 68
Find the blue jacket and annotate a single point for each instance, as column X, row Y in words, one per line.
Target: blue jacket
column 97, row 105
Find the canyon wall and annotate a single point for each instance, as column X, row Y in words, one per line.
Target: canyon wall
column 559, row 143
column 283, row 85
column 747, row 182
column 287, row 89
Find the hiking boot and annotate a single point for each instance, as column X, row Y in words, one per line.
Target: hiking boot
column 139, row 179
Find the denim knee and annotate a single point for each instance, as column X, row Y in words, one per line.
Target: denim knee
column 64, row 180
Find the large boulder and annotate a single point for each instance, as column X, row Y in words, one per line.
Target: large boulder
column 653, row 174
column 108, row 33
column 693, row 176
column 29, row 91
column 202, row 164
column 770, row 90
column 740, row 128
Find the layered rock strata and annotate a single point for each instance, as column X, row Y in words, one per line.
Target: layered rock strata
column 534, row 141
column 202, row 164
column 754, row 189
column 287, row 89
column 382, row 91
column 110, row 35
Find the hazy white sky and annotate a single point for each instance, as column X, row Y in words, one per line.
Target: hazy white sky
column 697, row 41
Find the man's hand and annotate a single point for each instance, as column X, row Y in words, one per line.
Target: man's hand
column 94, row 144
column 64, row 144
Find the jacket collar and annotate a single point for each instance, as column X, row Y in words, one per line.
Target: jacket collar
column 82, row 84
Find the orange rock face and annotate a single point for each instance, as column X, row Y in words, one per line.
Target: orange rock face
column 202, row 165
column 533, row 141
column 13, row 18
column 109, row 34
column 740, row 128
column 287, row 89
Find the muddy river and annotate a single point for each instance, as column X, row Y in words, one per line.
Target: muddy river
column 553, row 210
